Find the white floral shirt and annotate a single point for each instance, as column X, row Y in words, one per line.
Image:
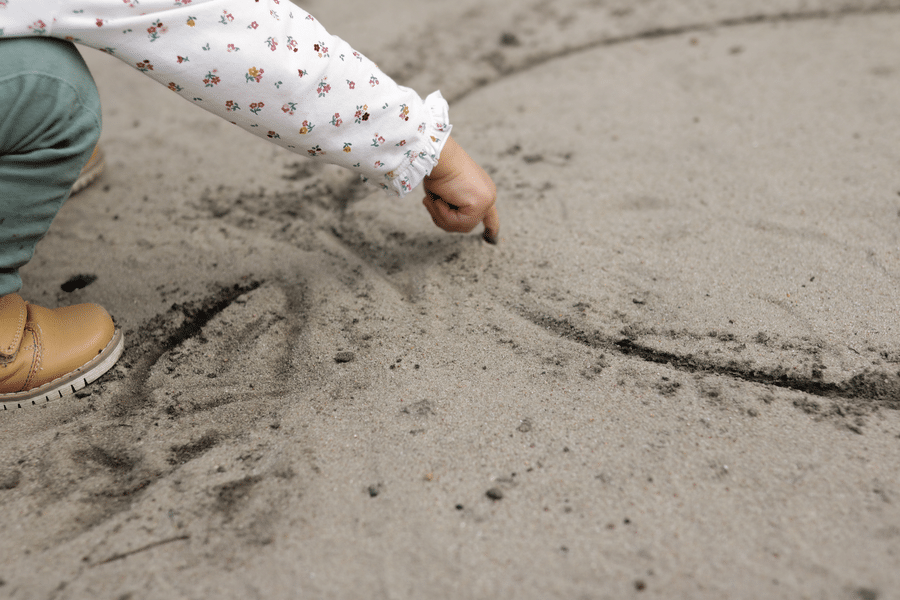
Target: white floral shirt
column 264, row 65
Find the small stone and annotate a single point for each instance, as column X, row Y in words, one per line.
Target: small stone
column 77, row 282
column 509, row 39
column 867, row 594
column 344, row 357
column 10, row 480
column 495, row 494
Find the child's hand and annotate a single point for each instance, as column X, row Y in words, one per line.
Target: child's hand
column 460, row 194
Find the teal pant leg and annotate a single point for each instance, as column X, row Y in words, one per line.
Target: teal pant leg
column 49, row 125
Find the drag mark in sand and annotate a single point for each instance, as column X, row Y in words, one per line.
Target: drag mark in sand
column 878, row 388
column 150, row 348
column 150, row 546
column 676, row 30
column 112, row 455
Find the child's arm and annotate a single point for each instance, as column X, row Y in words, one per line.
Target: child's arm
column 270, row 68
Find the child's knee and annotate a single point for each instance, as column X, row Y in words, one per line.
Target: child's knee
column 49, row 98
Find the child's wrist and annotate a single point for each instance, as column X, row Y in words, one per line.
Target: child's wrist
column 448, row 161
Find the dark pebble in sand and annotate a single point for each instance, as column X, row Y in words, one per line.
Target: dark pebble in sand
column 494, row 494
column 867, row 594
column 344, row 357
column 10, row 480
column 509, row 39
column 78, row 282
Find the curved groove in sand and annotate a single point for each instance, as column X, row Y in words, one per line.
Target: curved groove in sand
column 665, row 32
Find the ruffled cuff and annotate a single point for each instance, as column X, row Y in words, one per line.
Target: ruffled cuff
column 419, row 162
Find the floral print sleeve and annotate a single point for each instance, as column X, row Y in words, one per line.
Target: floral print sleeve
column 266, row 66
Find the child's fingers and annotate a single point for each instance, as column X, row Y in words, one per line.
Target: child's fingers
column 431, row 205
column 455, row 219
column 447, row 217
column 428, row 203
column 492, row 225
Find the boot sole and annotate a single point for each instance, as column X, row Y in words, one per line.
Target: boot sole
column 90, row 173
column 71, row 382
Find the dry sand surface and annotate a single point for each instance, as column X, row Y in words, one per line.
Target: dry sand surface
column 677, row 376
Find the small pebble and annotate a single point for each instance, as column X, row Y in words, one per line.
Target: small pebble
column 509, row 39
column 495, row 494
column 344, row 357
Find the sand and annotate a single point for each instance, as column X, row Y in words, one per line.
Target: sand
column 677, row 375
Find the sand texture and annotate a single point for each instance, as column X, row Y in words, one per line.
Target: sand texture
column 677, row 375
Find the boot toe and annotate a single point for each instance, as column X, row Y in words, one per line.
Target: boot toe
column 70, row 337
column 61, row 351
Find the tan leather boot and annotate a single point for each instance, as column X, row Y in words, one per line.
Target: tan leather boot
column 46, row 354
